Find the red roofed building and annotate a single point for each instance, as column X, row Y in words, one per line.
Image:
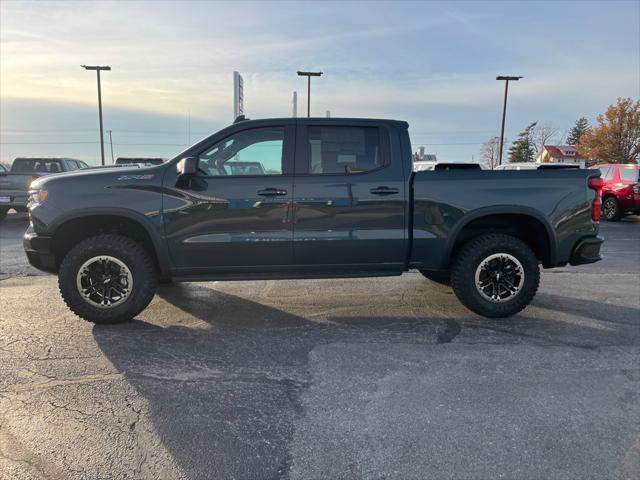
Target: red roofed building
column 560, row 154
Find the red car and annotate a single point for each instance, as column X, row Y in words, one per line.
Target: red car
column 621, row 190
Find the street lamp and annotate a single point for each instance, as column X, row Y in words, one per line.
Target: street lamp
column 504, row 110
column 309, row 75
column 98, row 69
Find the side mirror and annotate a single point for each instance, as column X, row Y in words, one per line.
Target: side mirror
column 187, row 166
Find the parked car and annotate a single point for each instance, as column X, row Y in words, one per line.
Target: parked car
column 621, row 190
column 139, row 160
column 535, row 166
column 244, row 168
column 338, row 198
column 14, row 184
column 421, row 166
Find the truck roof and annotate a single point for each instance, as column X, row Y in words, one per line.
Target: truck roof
column 340, row 120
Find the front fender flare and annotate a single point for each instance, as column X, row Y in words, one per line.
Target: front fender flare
column 162, row 255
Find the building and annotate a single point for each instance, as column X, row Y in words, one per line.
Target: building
column 420, row 156
column 560, row 154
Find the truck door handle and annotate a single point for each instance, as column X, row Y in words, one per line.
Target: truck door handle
column 383, row 191
column 272, row 192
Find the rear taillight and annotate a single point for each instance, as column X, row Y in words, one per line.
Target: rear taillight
column 596, row 183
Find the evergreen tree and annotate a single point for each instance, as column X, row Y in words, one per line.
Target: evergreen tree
column 522, row 149
column 578, row 130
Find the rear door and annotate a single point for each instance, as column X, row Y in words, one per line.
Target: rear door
column 234, row 214
column 349, row 197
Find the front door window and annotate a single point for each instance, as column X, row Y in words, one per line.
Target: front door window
column 251, row 152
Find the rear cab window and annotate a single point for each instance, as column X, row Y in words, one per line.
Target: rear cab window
column 36, row 165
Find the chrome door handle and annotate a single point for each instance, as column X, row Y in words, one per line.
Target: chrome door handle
column 383, row 191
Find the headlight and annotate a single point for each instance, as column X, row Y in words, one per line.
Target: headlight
column 37, row 196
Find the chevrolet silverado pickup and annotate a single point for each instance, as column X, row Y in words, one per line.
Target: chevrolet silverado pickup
column 331, row 198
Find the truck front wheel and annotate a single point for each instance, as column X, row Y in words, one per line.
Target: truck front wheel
column 107, row 279
column 495, row 275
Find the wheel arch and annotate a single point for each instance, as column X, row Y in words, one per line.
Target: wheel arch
column 500, row 219
column 70, row 229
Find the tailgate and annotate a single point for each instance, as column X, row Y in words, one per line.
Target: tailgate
column 16, row 181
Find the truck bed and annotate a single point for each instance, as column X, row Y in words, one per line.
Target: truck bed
column 444, row 202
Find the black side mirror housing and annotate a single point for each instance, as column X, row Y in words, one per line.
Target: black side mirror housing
column 187, row 166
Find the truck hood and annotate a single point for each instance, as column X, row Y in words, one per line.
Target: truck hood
column 105, row 172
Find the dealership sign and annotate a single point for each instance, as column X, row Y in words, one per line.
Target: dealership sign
column 238, row 95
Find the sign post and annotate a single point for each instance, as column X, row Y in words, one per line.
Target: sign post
column 238, row 95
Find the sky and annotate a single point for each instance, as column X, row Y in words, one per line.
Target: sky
column 432, row 64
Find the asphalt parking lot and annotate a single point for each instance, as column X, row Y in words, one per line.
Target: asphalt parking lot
column 343, row 379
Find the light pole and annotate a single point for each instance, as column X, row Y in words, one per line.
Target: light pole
column 98, row 68
column 504, row 110
column 111, row 143
column 309, row 75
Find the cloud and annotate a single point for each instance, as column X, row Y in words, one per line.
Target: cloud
column 430, row 63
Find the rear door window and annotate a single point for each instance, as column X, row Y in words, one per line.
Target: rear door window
column 334, row 150
column 71, row 165
column 629, row 174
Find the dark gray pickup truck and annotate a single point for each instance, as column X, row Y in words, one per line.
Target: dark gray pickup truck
column 14, row 183
column 331, row 198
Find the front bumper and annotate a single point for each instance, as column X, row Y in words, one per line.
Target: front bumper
column 586, row 251
column 38, row 250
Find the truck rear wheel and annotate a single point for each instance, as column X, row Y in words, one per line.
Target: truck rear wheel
column 107, row 279
column 495, row 275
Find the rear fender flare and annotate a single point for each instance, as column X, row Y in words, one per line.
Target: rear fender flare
column 497, row 210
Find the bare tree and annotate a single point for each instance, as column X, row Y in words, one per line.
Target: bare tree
column 541, row 136
column 489, row 152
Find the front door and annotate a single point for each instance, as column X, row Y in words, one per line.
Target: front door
column 349, row 198
column 234, row 214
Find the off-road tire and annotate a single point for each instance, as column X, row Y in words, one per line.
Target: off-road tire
column 439, row 277
column 613, row 213
column 137, row 259
column 470, row 257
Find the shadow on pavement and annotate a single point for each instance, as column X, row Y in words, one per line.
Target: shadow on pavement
column 224, row 399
